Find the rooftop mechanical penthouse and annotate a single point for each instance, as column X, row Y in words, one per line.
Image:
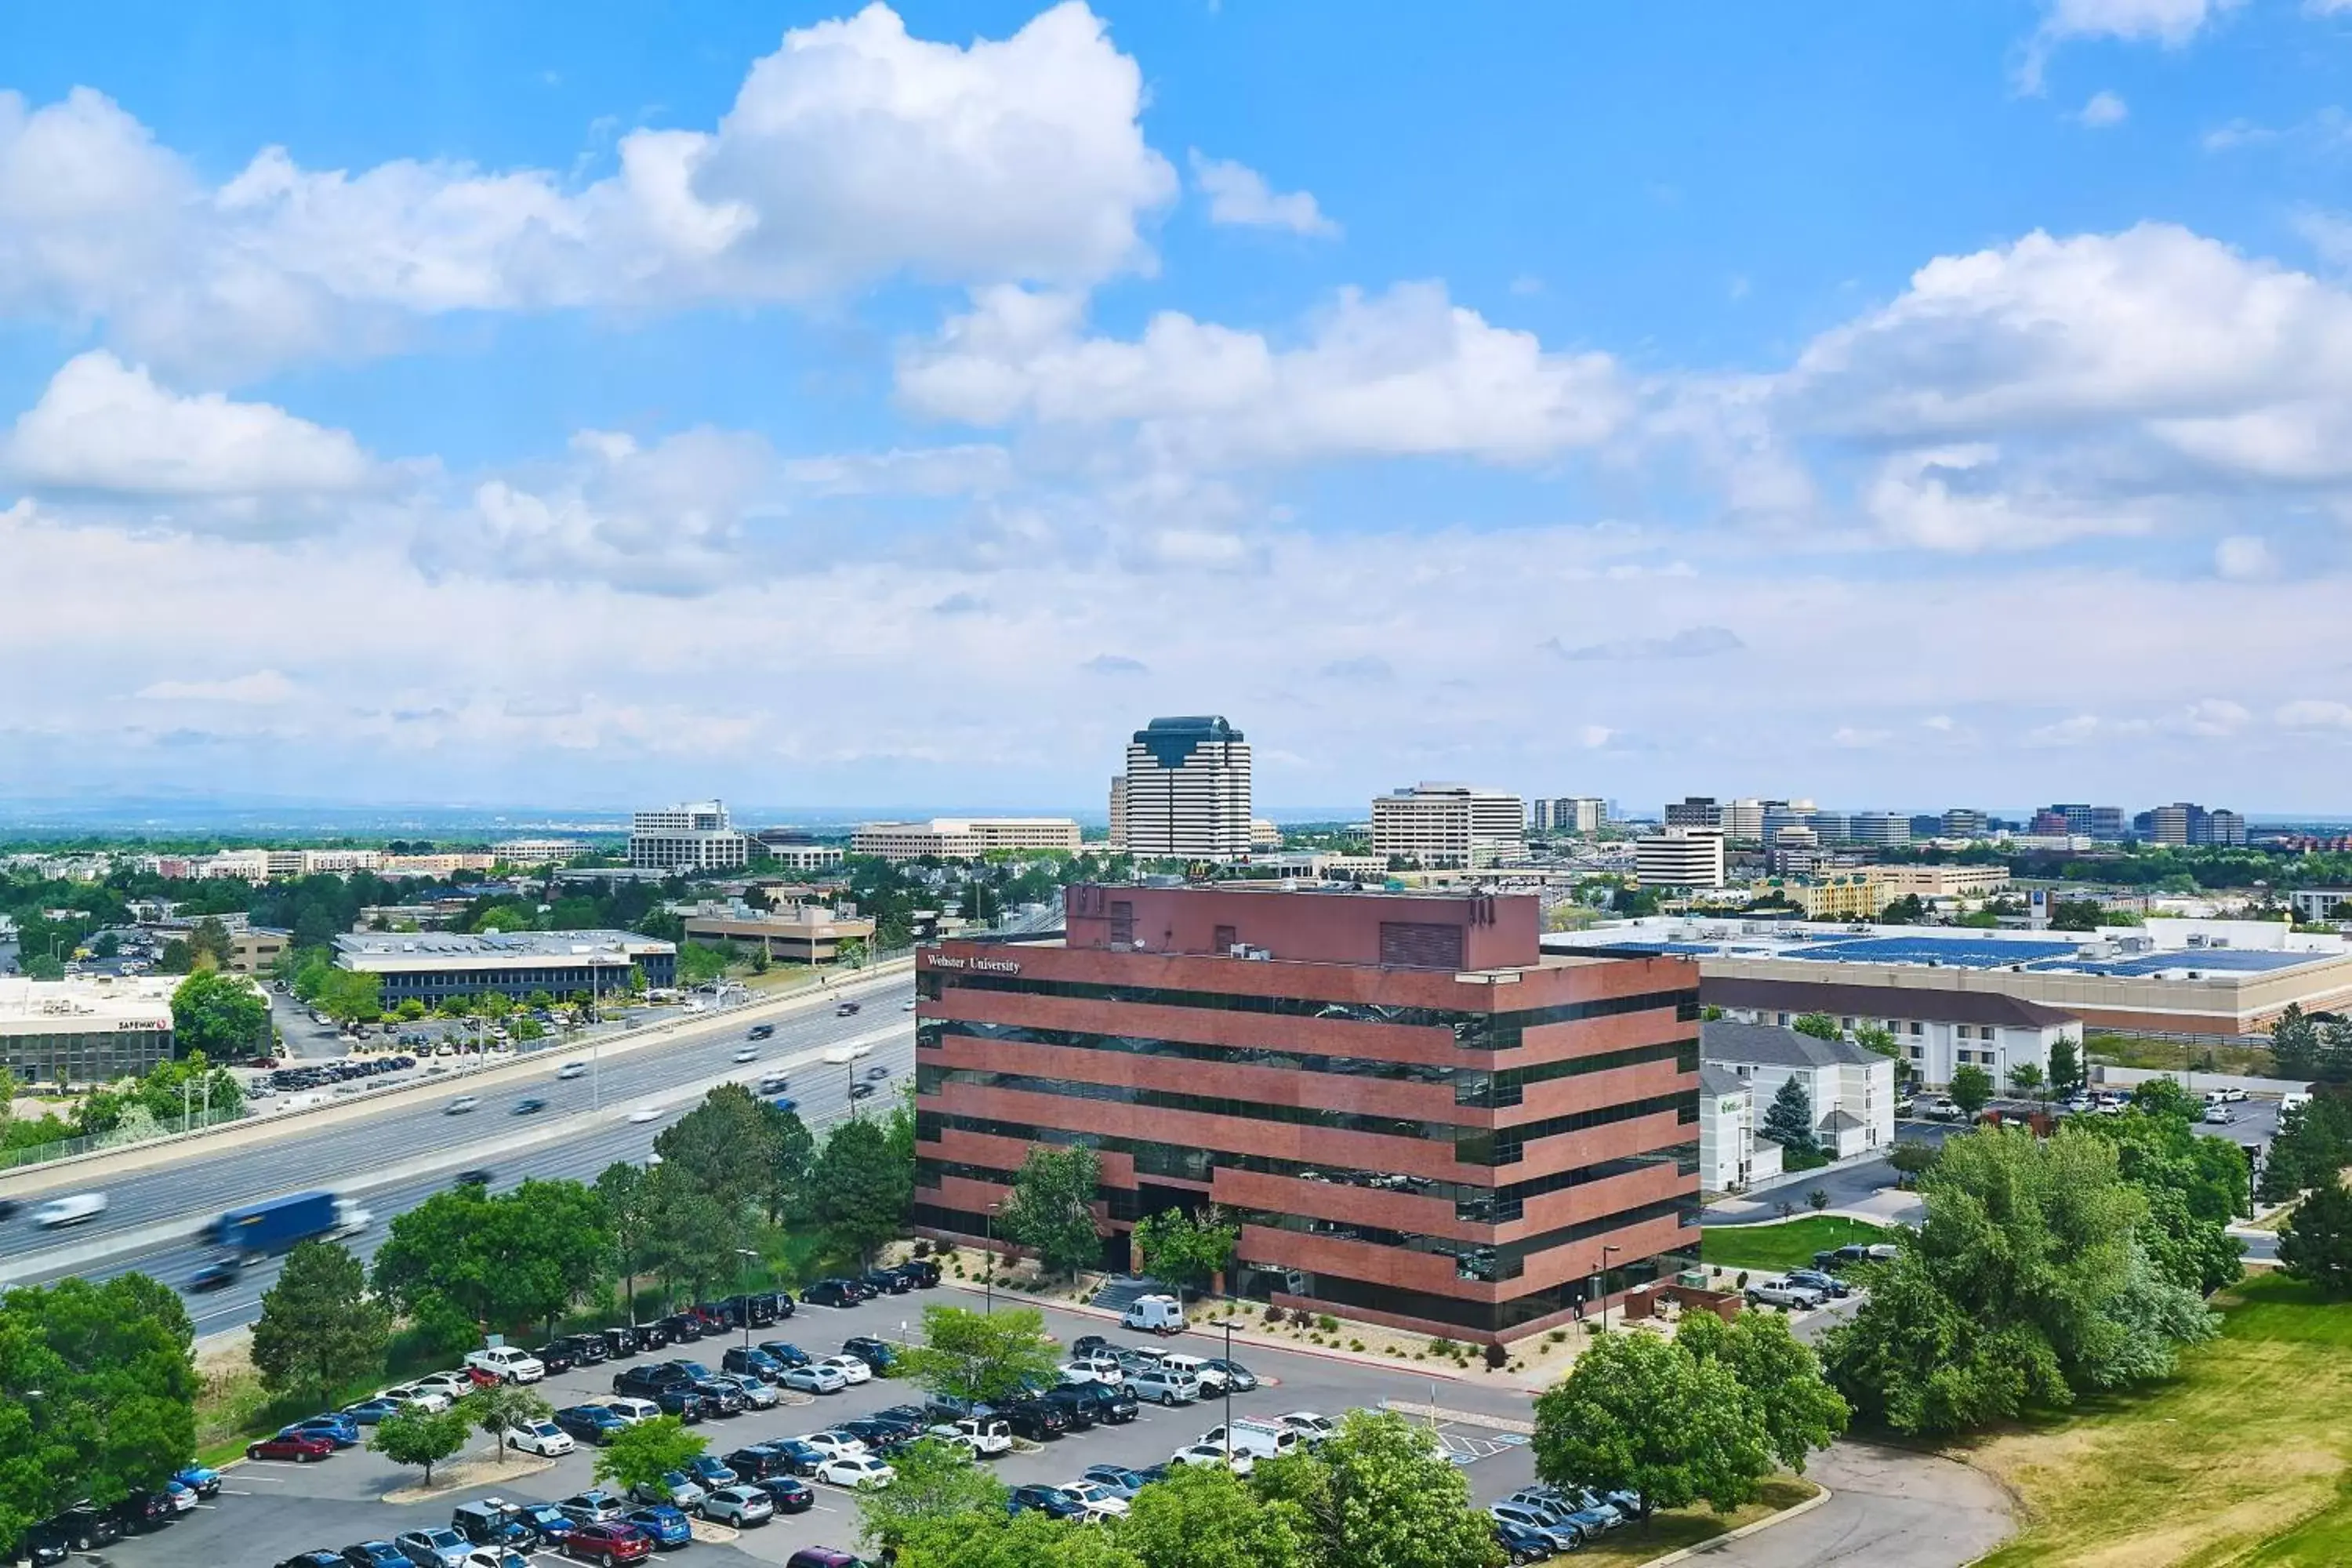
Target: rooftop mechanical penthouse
column 1417, row 1116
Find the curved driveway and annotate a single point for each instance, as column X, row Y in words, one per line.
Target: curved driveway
column 1888, row 1507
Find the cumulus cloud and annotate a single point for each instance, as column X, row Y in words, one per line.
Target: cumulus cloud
column 2314, row 713
column 2102, row 111
column 2170, row 23
column 1959, row 498
column 1115, row 663
column 1691, row 642
column 106, row 429
column 1239, row 195
column 2245, row 557
column 852, row 153
column 263, row 687
column 1406, row 373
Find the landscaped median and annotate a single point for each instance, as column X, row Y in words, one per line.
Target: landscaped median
column 2244, row 1458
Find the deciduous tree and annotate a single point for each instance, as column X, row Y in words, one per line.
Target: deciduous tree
column 1378, row 1494
column 861, row 1189
column 641, row 1455
column 220, row 1014
column 1641, row 1414
column 1798, row 1410
column 2065, row 1067
column 983, row 1356
column 504, row 1407
column 1051, row 1211
column 935, row 1481
column 320, row 1331
column 1202, row 1516
column 2315, row 1245
column 1184, row 1251
column 1972, row 1089
column 414, row 1435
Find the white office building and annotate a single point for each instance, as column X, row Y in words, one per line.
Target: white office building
column 1580, row 813
column 963, row 838
column 1188, row 791
column 538, row 851
column 1849, row 1090
column 1449, row 827
column 1680, row 857
column 693, row 837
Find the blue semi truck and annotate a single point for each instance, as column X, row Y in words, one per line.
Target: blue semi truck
column 259, row 1229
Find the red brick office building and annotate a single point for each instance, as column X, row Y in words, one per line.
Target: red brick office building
column 1417, row 1116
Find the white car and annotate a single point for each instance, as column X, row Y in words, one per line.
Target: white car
column 1101, row 1366
column 643, row 1114
column 572, row 1069
column 858, row 1472
column 2224, row 1096
column 431, row 1400
column 74, row 1210
column 985, row 1436
column 633, row 1410
column 450, row 1386
column 1160, row 1315
column 1209, row 1454
column 1311, row 1428
column 1096, row 1499
column 835, row 1445
column 509, row 1363
column 757, row 1395
column 815, row 1378
column 544, row 1439
column 908, row 1006
column 747, row 1054
column 461, row 1105
column 853, row 1371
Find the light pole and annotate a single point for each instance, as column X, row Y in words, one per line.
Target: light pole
column 747, row 1254
column 1605, row 1251
column 988, row 1258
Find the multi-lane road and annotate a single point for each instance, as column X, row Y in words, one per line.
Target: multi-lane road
column 391, row 1161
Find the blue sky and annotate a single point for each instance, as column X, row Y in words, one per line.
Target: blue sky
column 592, row 404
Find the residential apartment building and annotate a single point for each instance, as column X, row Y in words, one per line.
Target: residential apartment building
column 1851, row 1090
column 693, row 837
column 963, row 838
column 1836, row 896
column 1938, row 1030
column 83, row 1031
column 1414, row 1117
column 432, row 967
column 1679, row 857
column 2314, row 906
column 1579, row 814
column 1731, row 1157
column 537, row 851
column 1448, row 826
column 1188, row 791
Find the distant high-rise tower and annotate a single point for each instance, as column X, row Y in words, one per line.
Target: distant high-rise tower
column 1118, row 811
column 1188, row 791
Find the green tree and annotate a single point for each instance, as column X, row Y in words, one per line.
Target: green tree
column 210, row 945
column 414, row 1435
column 2313, row 1141
column 627, row 1192
column 694, row 1235
column 1821, row 1025
column 512, row 1260
column 556, row 1242
column 320, row 1331
column 993, row 1539
column 220, row 1014
column 349, row 997
column 861, row 1189
column 1971, row 1089
column 177, row 957
column 1378, row 1494
column 698, row 964
column 1782, row 1376
column 1788, row 1120
column 501, row 1408
column 1644, row 1415
column 644, row 1453
column 2067, row 1078
column 1182, row 1250
column 2025, row 1078
column 1202, row 1516
column 115, row 1410
column 1051, row 1211
column 2294, row 1044
column 2315, row 1245
column 983, row 1356
column 788, row 1156
column 720, row 1146
column 935, row 1481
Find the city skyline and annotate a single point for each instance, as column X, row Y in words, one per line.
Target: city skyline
column 838, row 406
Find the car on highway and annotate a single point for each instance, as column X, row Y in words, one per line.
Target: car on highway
column 746, row 1054
column 861, row 1090
column 857, row 1472
column 529, row 1105
column 908, row 1006
column 760, row 1032
column 572, row 1070
column 846, row 1010
column 77, row 1208
column 217, row 1273
column 461, row 1105
column 644, row 1114
column 478, row 1176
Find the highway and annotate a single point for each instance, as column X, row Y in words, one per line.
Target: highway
column 391, row 1163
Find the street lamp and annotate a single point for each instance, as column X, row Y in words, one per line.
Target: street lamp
column 747, row 1254
column 1601, row 1282
column 988, row 1256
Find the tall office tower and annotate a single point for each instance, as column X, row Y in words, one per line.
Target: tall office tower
column 1188, row 791
column 1743, row 820
column 1694, row 811
column 1118, row 811
column 694, row 837
column 2224, row 827
column 1539, row 816
column 1834, row 827
column 1580, row 814
column 1962, row 822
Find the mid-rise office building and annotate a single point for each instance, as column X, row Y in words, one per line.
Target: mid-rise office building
column 2105, row 823
column 1694, row 811
column 1743, row 820
column 432, row 967
column 1579, row 814
column 2187, row 823
column 691, row 838
column 83, row 1030
column 1448, row 826
column 1878, row 827
column 1414, row 1117
column 963, row 838
column 1118, row 811
column 807, row 933
column 1679, row 857
column 538, row 851
column 1188, row 791
column 1963, row 822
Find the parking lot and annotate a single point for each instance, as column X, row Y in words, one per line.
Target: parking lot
column 269, row 1511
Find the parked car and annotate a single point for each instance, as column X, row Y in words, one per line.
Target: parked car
column 821, row 1377
column 632, row 1410
column 1237, row 1460
column 832, row 1444
column 1096, row 1499
column 682, row 1327
column 788, row 1493
column 886, row 1282
column 556, row 1357
column 675, row 1488
column 1036, row 1420
column 920, row 1272
column 1159, row 1314
column 546, row 1438
column 494, row 1522
column 982, row 1438
column 711, row 1472
column 335, row 1426
column 507, row 1363
column 1125, row 1482
column 743, row 1362
column 719, row 1397
column 1312, row 1429
column 436, row 1546
column 744, row 1507
column 547, row 1522
column 851, row 1369
column 301, row 1448
column 1264, row 1439
column 1828, row 1285
column 1217, row 1372
column 783, row 1353
column 1795, row 1297
column 758, row 1392
column 375, row 1554
column 621, row 1344
column 833, row 1291
column 144, row 1510
column 594, row 1505
column 799, row 1458
column 200, row 1479
column 85, row 1527
column 857, row 1472
column 1049, row 1500
column 585, row 1350
column 680, row 1400
column 878, row 1355
column 1164, row 1386
column 665, row 1527
column 646, row 1381
column 606, row 1544
column 1535, row 1523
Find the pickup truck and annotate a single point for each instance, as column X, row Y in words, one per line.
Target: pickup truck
column 1792, row 1296
column 507, row 1363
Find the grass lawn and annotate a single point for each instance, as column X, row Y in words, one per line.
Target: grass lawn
column 2244, row 1459
column 1789, row 1243
column 1687, row 1527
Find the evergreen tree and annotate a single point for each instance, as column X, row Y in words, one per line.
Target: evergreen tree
column 1788, row 1120
column 2294, row 1044
column 320, row 1331
column 2315, row 1245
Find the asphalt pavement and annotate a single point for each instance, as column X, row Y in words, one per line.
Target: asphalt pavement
column 377, row 1159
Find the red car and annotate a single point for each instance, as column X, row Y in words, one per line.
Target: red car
column 299, row 1447
column 608, row 1543
column 483, row 1377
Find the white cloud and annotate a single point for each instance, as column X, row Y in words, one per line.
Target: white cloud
column 2236, row 133
column 2171, row 23
column 1592, row 737
column 1959, row 498
column 1239, row 195
column 2314, row 713
column 1850, row 738
column 2104, row 109
column 2245, row 557
column 852, row 154
column 263, row 687
column 1402, row 374
column 106, row 428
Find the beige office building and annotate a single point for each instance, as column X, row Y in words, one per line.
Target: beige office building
column 1449, row 825
column 963, row 838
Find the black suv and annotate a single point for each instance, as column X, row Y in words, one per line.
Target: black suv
column 683, row 1327
column 878, row 1355
column 648, row 1382
column 784, row 1353
column 752, row 1363
column 879, row 1281
column 758, row 1462
column 1079, row 1412
column 620, row 1344
column 1106, row 1402
column 143, row 1511
column 835, row 1291
column 921, row 1272
column 760, row 1032
column 587, row 1350
column 720, row 1397
column 1037, row 1419
column 882, row 1437
column 556, row 1356
column 680, row 1400
column 493, row 1524
column 760, row 1309
column 86, row 1526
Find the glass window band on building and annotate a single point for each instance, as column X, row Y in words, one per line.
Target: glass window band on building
column 1471, row 1087
column 1471, row 1031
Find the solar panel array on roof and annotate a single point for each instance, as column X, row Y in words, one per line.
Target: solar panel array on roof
column 2204, row 960
column 1961, row 953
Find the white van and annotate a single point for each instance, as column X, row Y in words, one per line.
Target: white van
column 2294, row 1100
column 1264, row 1439
column 75, row 1210
column 1160, row 1315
